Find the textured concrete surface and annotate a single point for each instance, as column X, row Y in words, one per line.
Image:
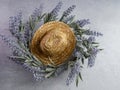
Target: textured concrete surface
column 104, row 16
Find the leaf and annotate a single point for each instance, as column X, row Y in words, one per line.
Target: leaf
column 34, row 64
column 18, row 57
column 80, row 76
column 30, row 23
column 82, row 60
column 28, row 61
column 101, row 49
column 77, row 80
column 47, row 18
column 36, row 59
column 86, row 55
column 51, row 65
column 69, row 19
column 85, row 43
column 95, row 43
column 42, row 16
column 49, row 74
column 73, row 25
column 21, row 27
column 50, row 69
column 21, row 45
column 71, row 63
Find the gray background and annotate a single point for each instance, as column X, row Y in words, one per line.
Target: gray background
column 104, row 16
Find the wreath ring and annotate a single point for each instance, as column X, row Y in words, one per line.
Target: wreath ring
column 66, row 39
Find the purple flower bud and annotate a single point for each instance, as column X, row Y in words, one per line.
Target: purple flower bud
column 93, row 33
column 83, row 22
column 68, row 11
column 76, row 69
column 55, row 11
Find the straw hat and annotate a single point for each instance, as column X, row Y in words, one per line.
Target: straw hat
column 53, row 43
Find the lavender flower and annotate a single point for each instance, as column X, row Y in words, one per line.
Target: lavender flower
column 16, row 27
column 16, row 60
column 26, row 33
column 93, row 33
column 37, row 71
column 76, row 69
column 91, row 39
column 91, row 59
column 69, row 19
column 37, row 12
column 12, row 44
column 28, row 67
column 55, row 11
column 83, row 22
column 39, row 76
column 68, row 11
column 14, row 24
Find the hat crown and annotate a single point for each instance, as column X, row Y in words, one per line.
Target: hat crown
column 53, row 43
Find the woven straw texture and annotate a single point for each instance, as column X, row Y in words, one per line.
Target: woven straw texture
column 53, row 43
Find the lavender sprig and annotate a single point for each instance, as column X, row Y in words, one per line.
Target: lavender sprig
column 69, row 19
column 14, row 25
column 27, row 34
column 67, row 12
column 38, row 72
column 76, row 69
column 83, row 22
column 37, row 13
column 16, row 60
column 13, row 45
column 91, row 59
column 91, row 39
column 55, row 11
column 39, row 76
column 32, row 69
column 93, row 33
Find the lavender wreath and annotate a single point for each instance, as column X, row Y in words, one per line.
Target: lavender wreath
column 86, row 48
